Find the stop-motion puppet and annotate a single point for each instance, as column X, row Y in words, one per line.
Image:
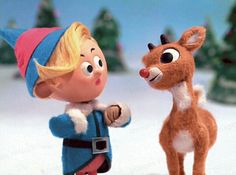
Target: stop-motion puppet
column 68, row 65
column 189, row 127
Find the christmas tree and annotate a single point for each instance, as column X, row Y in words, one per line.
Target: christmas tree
column 170, row 34
column 7, row 55
column 224, row 86
column 106, row 32
column 208, row 55
column 47, row 16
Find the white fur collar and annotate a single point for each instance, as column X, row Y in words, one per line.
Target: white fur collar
column 85, row 108
column 79, row 111
column 181, row 96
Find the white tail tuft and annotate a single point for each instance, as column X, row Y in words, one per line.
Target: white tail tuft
column 199, row 93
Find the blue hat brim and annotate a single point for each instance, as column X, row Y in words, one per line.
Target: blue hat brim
column 42, row 54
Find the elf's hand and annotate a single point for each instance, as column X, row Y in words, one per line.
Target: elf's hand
column 112, row 113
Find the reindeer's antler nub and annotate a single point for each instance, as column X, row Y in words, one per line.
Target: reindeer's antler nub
column 151, row 46
column 164, row 39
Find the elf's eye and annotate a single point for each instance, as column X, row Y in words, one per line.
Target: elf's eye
column 87, row 68
column 169, row 55
column 98, row 61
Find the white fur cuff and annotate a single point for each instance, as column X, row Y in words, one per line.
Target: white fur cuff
column 79, row 120
column 124, row 117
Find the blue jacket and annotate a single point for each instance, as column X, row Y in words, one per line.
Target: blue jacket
column 75, row 159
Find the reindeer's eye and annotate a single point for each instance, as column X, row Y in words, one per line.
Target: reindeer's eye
column 169, row 55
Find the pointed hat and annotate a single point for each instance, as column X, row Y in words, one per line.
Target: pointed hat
column 35, row 43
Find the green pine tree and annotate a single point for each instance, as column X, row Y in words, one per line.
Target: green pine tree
column 224, row 86
column 106, row 32
column 170, row 34
column 207, row 56
column 7, row 55
column 47, row 16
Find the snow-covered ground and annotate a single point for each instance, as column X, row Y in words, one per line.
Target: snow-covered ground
column 27, row 146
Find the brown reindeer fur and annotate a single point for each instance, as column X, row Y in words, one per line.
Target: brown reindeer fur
column 187, row 122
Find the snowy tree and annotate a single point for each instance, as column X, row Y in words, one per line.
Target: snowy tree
column 224, row 85
column 47, row 16
column 106, row 32
column 7, row 55
column 208, row 55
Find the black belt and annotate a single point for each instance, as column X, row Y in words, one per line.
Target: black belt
column 77, row 143
column 98, row 144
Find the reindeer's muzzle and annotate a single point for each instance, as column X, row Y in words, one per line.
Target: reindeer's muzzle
column 152, row 75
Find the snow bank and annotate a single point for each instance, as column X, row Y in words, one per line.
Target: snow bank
column 27, row 146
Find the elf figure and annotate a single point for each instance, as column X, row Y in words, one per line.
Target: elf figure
column 68, row 65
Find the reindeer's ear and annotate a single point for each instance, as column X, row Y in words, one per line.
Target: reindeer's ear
column 193, row 38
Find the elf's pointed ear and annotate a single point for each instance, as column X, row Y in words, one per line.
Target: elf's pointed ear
column 193, row 38
column 42, row 90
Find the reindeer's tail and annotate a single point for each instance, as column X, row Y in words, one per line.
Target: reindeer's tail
column 199, row 94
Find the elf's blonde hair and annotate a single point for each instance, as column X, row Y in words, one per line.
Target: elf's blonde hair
column 66, row 55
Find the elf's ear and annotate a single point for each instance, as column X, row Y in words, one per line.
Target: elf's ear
column 193, row 38
column 42, row 90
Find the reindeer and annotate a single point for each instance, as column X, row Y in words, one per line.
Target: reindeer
column 170, row 66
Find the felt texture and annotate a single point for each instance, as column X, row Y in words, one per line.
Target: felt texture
column 181, row 96
column 36, row 43
column 62, row 126
column 79, row 120
column 26, row 44
column 92, row 167
column 79, row 111
column 42, row 54
column 11, row 35
column 187, row 123
column 74, row 159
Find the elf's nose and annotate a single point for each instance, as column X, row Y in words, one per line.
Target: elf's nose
column 144, row 73
column 97, row 72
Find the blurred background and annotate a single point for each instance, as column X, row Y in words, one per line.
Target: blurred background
column 122, row 29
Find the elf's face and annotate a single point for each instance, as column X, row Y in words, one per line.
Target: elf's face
column 87, row 81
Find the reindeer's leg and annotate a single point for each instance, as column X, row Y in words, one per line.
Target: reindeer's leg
column 172, row 161
column 181, row 164
column 200, row 153
column 171, row 154
column 199, row 163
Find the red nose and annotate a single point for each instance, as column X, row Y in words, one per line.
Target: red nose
column 144, row 73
